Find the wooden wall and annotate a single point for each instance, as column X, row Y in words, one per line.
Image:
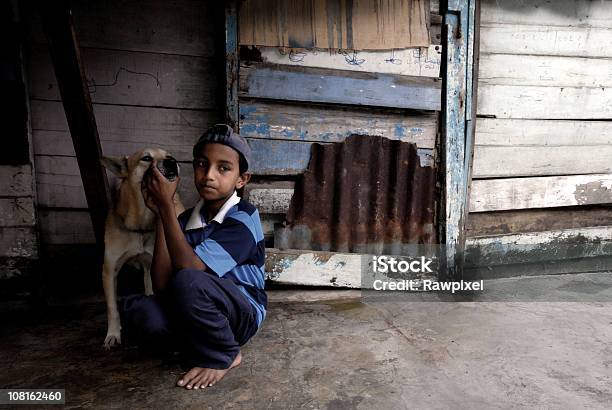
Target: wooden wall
column 292, row 98
column 153, row 76
column 18, row 235
column 543, row 152
column 18, row 238
column 542, row 139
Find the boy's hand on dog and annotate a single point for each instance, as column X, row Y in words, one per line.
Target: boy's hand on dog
column 158, row 191
column 149, row 199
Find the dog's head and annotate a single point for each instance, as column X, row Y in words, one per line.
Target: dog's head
column 134, row 167
column 127, row 196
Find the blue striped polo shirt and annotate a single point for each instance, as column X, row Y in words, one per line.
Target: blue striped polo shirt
column 231, row 245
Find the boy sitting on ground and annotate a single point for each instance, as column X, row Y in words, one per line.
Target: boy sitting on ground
column 208, row 266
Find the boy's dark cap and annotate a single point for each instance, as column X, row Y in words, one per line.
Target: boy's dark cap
column 224, row 134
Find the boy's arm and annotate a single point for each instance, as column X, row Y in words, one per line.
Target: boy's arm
column 159, row 192
column 180, row 252
column 161, row 267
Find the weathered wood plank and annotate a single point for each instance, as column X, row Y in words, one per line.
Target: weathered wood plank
column 339, row 87
column 535, row 220
column 418, row 62
column 59, row 185
column 65, row 227
column 133, row 78
column 558, row 13
column 232, row 63
column 155, row 26
column 434, row 6
column 435, row 31
column 313, row 268
column 363, row 25
column 540, row 246
column 18, row 242
column 261, row 119
column 67, row 64
column 540, row 192
column 16, row 180
column 54, row 143
column 276, row 157
column 472, row 81
column 122, row 130
column 509, row 161
column 543, row 133
column 17, row 212
column 522, row 70
column 61, row 191
column 545, row 40
column 270, row 198
column 507, row 101
column 299, row 296
column 457, row 38
column 318, row 268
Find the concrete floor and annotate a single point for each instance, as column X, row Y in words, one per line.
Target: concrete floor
column 341, row 355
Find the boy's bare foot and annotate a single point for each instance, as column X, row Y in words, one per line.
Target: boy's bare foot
column 201, row 377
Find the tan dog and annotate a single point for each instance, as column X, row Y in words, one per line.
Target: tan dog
column 129, row 235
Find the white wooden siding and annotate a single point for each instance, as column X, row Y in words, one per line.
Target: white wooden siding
column 544, row 86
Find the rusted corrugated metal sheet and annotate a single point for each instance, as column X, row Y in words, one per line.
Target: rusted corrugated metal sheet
column 367, row 194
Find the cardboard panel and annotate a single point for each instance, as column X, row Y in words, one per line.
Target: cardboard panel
column 358, row 25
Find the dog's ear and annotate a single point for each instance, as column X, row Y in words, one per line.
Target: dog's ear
column 117, row 166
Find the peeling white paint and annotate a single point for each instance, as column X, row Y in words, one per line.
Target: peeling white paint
column 308, row 268
column 423, row 62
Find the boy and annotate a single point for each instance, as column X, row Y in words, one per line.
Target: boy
column 208, row 266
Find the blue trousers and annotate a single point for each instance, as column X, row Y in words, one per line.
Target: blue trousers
column 206, row 317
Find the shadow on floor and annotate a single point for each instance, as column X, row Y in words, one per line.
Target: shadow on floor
column 339, row 355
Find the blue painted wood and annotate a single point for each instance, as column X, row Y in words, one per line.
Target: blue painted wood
column 339, row 87
column 231, row 63
column 456, row 5
column 273, row 157
column 458, row 37
column 331, row 123
column 278, row 157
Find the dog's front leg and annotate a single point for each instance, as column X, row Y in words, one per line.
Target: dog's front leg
column 146, row 270
column 109, row 281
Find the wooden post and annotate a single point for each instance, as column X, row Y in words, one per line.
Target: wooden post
column 458, row 115
column 471, row 105
column 232, row 64
column 65, row 53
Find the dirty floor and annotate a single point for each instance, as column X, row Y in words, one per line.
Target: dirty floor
column 341, row 354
